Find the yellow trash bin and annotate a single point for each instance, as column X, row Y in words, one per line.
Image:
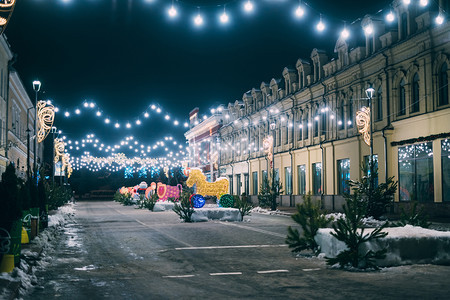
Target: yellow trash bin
column 7, row 264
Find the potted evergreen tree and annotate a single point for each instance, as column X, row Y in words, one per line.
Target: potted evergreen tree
column 11, row 212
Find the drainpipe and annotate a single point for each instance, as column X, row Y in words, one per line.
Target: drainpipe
column 323, row 175
column 334, row 172
column 291, row 200
column 388, row 113
column 385, row 156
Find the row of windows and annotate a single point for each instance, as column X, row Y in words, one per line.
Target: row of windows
column 416, row 179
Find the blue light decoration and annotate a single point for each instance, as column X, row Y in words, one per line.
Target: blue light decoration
column 226, row 201
column 128, row 172
column 143, row 172
column 197, row 200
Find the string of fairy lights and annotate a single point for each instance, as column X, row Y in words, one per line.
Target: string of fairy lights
column 223, row 14
column 176, row 10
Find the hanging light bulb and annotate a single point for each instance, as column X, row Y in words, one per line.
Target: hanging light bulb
column 198, row 20
column 423, row 3
column 128, row 125
column 390, row 17
column 300, row 11
column 67, row 114
column 172, row 12
column 320, row 26
column 77, row 111
column 248, row 6
column 407, row 2
column 98, row 113
column 146, row 115
column 439, row 19
column 368, row 30
column 345, row 33
column 138, row 122
column 107, row 121
column 224, row 17
column 117, row 125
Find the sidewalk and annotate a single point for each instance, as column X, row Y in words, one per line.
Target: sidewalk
column 10, row 283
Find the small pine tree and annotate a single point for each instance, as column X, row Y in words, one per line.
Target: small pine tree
column 350, row 230
column 243, row 205
column 184, row 209
column 381, row 196
column 10, row 205
column 269, row 191
column 414, row 217
column 309, row 217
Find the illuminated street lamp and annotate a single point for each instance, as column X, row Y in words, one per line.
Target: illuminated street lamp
column 36, row 88
column 369, row 93
column 28, row 141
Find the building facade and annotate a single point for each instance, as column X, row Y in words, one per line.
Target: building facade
column 310, row 113
column 20, row 128
column 17, row 114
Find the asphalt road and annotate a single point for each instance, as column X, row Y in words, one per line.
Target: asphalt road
column 117, row 252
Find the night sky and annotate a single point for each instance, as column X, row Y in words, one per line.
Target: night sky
column 127, row 54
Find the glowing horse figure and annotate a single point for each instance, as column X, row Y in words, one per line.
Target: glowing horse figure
column 204, row 188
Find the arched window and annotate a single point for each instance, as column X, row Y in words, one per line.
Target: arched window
column 415, row 107
column 323, row 125
column 316, row 126
column 301, row 80
column 306, row 125
column 404, row 25
column 350, row 114
column 342, row 117
column 402, row 99
column 443, row 85
column 380, row 104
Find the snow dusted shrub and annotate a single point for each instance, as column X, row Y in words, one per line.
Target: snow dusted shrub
column 350, row 230
column 309, row 217
column 380, row 197
column 269, row 191
column 413, row 217
column 243, row 205
column 184, row 209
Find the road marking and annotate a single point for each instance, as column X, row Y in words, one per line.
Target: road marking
column 179, row 276
column 230, row 247
column 272, row 271
column 255, row 229
column 309, row 270
column 222, row 274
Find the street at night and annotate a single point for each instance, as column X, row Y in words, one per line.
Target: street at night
column 120, row 252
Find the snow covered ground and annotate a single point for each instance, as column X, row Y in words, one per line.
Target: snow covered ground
column 406, row 245
column 213, row 212
column 33, row 255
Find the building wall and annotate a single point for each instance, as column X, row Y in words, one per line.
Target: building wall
column 5, row 57
column 336, row 94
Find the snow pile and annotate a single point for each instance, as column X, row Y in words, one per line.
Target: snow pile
column 163, row 206
column 261, row 210
column 34, row 255
column 405, row 245
column 216, row 213
column 367, row 222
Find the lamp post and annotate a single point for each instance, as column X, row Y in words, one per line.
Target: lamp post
column 28, row 142
column 369, row 93
column 36, row 88
column 272, row 126
column 53, row 156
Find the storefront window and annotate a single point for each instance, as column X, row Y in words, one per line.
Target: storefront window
column 317, row 178
column 301, row 170
column 287, row 178
column 255, row 183
column 375, row 167
column 415, row 165
column 445, row 150
column 343, row 167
